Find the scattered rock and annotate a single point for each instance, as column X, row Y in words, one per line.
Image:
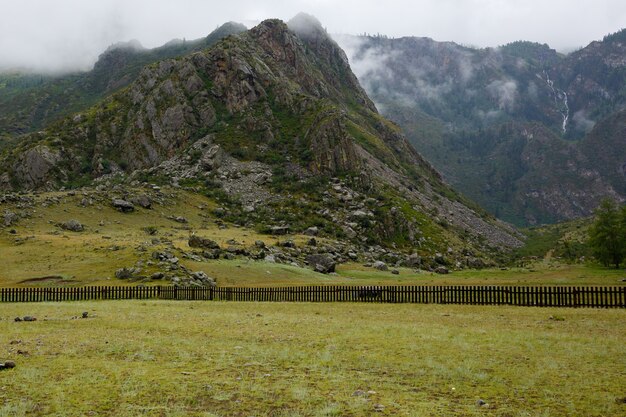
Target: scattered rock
column 157, row 275
column 380, row 265
column 29, row 318
column 72, row 225
column 85, row 314
column 18, row 319
column 311, row 231
column 379, row 408
column 395, row 272
column 323, row 263
column 7, row 365
column 482, row 403
column 312, row 242
column 441, row 270
column 10, row 218
column 259, row 244
column 125, row 273
column 279, row 230
column 202, row 279
column 142, row 200
column 123, row 205
column 200, row 242
column 413, row 260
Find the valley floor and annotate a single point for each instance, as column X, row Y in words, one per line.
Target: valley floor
column 160, row 358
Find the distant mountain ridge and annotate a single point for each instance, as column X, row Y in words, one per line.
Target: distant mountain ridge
column 522, row 130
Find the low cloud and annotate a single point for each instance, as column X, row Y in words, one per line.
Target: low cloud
column 60, row 35
column 505, row 92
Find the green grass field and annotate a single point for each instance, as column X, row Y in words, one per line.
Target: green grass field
column 135, row 358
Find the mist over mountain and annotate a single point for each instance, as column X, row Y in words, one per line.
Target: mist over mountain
column 510, row 126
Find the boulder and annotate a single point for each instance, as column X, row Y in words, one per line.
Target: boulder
column 380, row 265
column 323, row 263
column 441, row 270
column 123, row 205
column 439, row 258
column 413, row 260
column 201, row 278
column 72, row 225
column 10, row 218
column 201, row 242
column 125, row 273
column 142, row 200
column 311, row 231
column 279, row 230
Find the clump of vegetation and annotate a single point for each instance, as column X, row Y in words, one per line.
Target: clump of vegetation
column 607, row 236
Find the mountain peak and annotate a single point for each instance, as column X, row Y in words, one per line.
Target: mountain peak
column 306, row 26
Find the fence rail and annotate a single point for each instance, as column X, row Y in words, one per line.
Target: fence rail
column 600, row 297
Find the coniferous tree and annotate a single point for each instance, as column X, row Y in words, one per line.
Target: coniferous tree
column 607, row 233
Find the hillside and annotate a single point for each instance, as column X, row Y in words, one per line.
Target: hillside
column 531, row 135
column 29, row 102
column 273, row 127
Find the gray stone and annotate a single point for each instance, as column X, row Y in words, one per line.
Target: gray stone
column 395, row 272
column 323, row 263
column 380, row 265
column 29, row 318
column 72, row 225
column 279, row 230
column 200, row 242
column 312, row 231
column 9, row 218
column 142, row 200
column 124, row 273
column 123, row 205
column 441, row 270
column 413, row 260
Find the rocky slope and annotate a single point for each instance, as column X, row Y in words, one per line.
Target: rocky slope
column 517, row 128
column 274, row 126
column 29, row 102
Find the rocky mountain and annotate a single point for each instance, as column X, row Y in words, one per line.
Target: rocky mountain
column 29, row 102
column 274, row 126
column 532, row 135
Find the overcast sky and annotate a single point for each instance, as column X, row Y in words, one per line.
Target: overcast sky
column 70, row 34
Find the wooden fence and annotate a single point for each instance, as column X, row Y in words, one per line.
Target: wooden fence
column 603, row 297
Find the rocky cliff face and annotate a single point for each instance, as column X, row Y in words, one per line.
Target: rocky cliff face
column 274, row 122
column 473, row 112
column 29, row 102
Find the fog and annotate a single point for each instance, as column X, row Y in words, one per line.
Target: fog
column 61, row 35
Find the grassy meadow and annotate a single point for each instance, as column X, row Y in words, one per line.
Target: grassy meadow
column 134, row 358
